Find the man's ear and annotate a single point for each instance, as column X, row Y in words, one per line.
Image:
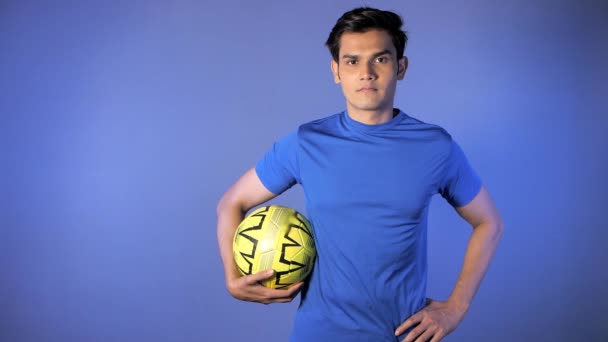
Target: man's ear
column 402, row 65
column 335, row 70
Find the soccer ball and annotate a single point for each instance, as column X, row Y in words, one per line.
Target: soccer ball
column 278, row 238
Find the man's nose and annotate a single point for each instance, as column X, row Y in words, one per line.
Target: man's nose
column 367, row 72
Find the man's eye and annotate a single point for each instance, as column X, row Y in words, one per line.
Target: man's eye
column 381, row 59
column 351, row 62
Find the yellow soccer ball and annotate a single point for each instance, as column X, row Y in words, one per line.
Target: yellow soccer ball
column 278, row 238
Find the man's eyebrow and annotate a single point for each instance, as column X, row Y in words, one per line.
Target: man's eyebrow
column 347, row 56
column 383, row 52
column 377, row 54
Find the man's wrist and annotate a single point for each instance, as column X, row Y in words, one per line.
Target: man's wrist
column 231, row 274
column 459, row 305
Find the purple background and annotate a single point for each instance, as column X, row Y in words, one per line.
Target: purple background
column 122, row 124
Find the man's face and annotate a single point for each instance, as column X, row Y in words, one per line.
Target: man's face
column 368, row 70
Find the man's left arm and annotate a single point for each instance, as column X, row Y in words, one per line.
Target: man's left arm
column 437, row 319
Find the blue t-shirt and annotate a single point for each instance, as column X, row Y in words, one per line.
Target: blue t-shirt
column 368, row 190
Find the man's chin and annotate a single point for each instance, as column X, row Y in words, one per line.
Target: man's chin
column 367, row 107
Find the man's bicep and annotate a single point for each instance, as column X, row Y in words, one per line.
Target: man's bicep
column 247, row 192
column 480, row 210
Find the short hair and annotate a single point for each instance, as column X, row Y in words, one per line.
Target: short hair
column 363, row 19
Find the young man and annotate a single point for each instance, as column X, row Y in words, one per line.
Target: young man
column 368, row 174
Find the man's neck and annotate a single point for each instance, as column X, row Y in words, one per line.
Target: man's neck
column 373, row 117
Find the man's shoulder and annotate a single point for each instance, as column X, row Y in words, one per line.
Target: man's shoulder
column 425, row 131
column 419, row 124
column 320, row 123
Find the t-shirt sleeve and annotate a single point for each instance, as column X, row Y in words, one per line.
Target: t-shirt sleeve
column 460, row 183
column 278, row 169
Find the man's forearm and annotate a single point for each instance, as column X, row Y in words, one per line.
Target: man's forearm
column 480, row 250
column 228, row 219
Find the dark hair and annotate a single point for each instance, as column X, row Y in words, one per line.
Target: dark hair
column 363, row 19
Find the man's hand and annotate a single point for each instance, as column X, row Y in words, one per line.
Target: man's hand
column 435, row 321
column 249, row 289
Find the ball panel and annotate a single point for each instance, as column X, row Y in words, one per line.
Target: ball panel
column 266, row 261
column 246, row 240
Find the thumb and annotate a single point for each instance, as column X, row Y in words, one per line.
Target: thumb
column 263, row 275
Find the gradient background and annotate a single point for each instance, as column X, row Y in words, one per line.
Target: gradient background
column 122, row 124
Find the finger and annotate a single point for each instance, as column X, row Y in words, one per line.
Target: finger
column 425, row 337
column 282, row 300
column 437, row 336
column 412, row 335
column 266, row 300
column 413, row 320
column 283, row 294
column 255, row 278
column 294, row 289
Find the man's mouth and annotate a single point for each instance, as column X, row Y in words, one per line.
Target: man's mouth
column 367, row 89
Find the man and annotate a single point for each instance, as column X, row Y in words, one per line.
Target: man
column 368, row 175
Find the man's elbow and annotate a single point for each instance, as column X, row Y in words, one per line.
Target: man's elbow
column 498, row 227
column 495, row 227
column 222, row 204
column 227, row 202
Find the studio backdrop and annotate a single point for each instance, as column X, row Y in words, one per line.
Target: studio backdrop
column 123, row 122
